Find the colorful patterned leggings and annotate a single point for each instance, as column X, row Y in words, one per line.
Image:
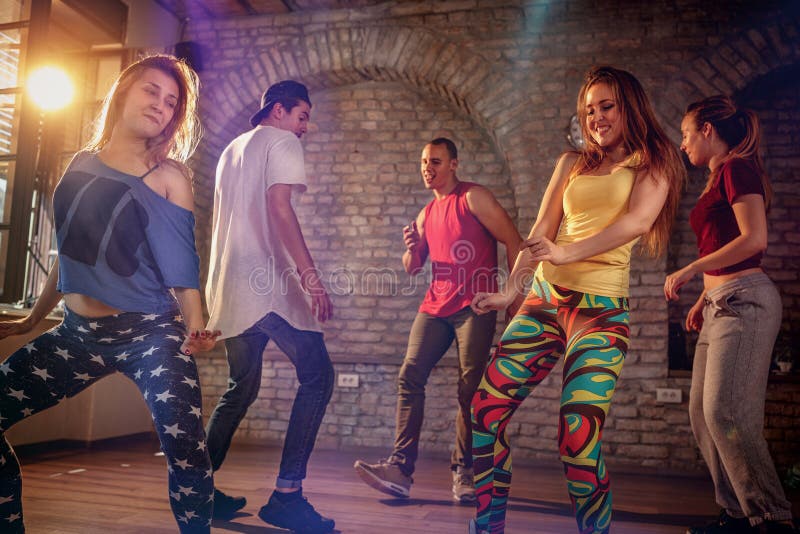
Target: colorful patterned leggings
column 80, row 351
column 592, row 332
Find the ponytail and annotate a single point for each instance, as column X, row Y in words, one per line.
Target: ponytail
column 737, row 128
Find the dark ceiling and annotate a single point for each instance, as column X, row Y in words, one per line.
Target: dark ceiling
column 233, row 8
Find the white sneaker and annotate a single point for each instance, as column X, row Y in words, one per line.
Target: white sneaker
column 473, row 528
column 464, row 486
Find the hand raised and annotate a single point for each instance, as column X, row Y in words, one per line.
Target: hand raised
column 411, row 236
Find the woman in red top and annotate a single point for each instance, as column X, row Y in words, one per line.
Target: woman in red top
column 738, row 316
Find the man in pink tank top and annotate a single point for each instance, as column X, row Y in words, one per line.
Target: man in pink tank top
column 459, row 230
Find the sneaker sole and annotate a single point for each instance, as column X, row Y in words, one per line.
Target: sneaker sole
column 378, row 483
column 465, row 499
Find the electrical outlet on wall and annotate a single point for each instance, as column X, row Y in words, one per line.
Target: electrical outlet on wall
column 669, row 395
column 347, row 380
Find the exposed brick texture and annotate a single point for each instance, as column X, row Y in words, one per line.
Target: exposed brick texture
column 500, row 78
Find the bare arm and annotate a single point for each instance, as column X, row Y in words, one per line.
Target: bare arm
column 283, row 216
column 494, row 218
column 646, row 201
column 178, row 187
column 484, row 206
column 44, row 305
column 551, row 211
column 416, row 245
column 751, row 217
column 179, row 191
column 191, row 307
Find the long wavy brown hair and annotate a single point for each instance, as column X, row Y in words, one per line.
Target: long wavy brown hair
column 644, row 139
column 738, row 128
column 179, row 138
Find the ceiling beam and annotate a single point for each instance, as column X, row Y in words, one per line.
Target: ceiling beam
column 181, row 12
column 109, row 15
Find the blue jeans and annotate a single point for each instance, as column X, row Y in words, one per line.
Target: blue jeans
column 308, row 354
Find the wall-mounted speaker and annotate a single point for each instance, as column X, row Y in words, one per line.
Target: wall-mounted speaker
column 191, row 52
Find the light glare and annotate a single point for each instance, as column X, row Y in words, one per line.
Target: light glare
column 50, row 88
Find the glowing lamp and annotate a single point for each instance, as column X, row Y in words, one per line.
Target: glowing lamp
column 50, row 88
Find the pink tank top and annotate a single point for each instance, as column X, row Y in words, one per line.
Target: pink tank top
column 463, row 254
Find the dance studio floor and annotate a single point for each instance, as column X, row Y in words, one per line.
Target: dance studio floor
column 121, row 488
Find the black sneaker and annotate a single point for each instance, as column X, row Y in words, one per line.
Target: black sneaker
column 725, row 524
column 295, row 514
column 225, row 506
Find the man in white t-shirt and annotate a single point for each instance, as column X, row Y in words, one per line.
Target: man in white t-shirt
column 262, row 285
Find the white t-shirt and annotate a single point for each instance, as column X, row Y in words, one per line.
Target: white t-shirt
column 251, row 273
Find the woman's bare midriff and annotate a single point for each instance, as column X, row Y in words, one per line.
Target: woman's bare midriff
column 712, row 282
column 87, row 306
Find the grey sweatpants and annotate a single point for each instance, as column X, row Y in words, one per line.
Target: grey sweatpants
column 741, row 319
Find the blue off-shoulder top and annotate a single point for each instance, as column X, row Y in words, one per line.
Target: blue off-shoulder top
column 119, row 241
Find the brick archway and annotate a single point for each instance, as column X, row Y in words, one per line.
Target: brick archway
column 334, row 58
column 341, row 57
column 730, row 66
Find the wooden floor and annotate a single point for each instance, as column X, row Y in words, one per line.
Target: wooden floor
column 122, row 489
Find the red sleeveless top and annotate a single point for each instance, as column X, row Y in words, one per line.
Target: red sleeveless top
column 463, row 254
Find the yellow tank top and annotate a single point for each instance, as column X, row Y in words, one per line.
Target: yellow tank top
column 592, row 203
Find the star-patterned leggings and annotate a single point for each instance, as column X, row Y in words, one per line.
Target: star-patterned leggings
column 71, row 357
column 592, row 333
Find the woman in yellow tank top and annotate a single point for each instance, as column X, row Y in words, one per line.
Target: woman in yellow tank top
column 623, row 186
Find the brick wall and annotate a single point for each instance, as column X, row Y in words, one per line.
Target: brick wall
column 501, row 79
column 778, row 107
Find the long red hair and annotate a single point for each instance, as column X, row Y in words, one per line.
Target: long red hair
column 644, row 139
